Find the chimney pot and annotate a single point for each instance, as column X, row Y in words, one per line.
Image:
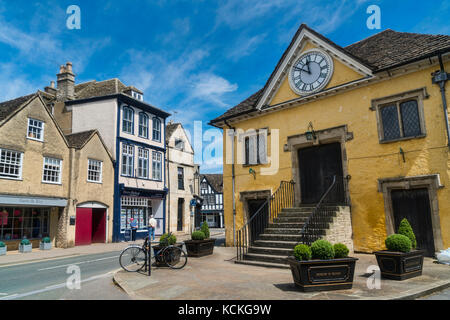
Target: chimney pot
column 52, row 84
column 69, row 66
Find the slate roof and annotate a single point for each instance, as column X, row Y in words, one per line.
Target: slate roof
column 8, row 107
column 215, row 180
column 97, row 89
column 381, row 51
column 79, row 139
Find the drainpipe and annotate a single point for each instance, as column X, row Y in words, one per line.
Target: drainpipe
column 168, row 185
column 441, row 77
column 233, row 184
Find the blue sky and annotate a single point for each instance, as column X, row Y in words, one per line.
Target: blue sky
column 193, row 58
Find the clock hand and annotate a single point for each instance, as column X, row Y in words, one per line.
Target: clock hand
column 300, row 69
column 309, row 70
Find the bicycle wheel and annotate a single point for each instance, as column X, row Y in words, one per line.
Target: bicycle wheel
column 175, row 257
column 132, row 259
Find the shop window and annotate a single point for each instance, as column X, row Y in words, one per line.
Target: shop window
column 137, row 208
column 52, row 170
column 35, row 130
column 19, row 223
column 94, row 171
column 11, row 164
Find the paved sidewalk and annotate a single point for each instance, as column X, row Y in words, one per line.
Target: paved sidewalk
column 218, row 277
column 15, row 257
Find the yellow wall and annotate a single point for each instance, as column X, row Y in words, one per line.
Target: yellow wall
column 367, row 159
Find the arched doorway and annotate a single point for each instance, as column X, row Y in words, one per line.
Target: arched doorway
column 90, row 223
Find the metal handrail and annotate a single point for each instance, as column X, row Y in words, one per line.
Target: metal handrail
column 283, row 197
column 315, row 223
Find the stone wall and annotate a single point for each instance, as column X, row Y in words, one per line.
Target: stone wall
column 340, row 230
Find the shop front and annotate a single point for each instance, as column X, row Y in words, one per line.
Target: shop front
column 32, row 218
column 139, row 205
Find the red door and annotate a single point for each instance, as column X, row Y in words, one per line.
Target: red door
column 98, row 225
column 83, row 227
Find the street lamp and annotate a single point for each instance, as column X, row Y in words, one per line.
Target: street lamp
column 310, row 134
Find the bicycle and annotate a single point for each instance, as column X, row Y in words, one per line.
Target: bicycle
column 133, row 258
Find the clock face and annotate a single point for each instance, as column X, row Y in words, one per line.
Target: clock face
column 311, row 72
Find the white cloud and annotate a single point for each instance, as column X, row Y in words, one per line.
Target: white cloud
column 211, row 88
column 245, row 46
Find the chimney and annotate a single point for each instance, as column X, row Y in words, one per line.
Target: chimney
column 65, row 83
column 51, row 89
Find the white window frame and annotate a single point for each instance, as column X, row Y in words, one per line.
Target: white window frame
column 100, row 174
column 258, row 150
column 37, row 128
column 144, row 155
column 59, row 170
column 130, row 160
column 157, row 161
column 124, row 109
column 143, row 115
column 12, row 177
column 157, row 130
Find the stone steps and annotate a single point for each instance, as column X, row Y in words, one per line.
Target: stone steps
column 275, row 244
column 272, row 251
column 285, row 225
column 289, row 231
column 263, row 264
column 266, row 258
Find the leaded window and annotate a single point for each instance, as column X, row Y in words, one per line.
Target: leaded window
column 35, row 129
column 156, row 165
column 142, row 163
column 400, row 120
column 52, row 170
column 10, row 164
column 94, row 170
column 127, row 160
column 127, row 121
column 255, row 147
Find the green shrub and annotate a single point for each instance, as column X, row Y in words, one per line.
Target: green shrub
column 46, row 240
column 406, row 230
column 167, row 239
column 398, row 242
column 2, row 244
column 25, row 242
column 322, row 249
column 205, row 229
column 340, row 251
column 302, row 252
column 198, row 235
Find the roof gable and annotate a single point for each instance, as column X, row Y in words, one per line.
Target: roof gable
column 214, row 180
column 176, row 130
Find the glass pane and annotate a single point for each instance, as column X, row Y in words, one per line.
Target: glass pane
column 410, row 118
column 389, row 118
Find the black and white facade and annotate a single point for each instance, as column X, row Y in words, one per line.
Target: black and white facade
column 211, row 190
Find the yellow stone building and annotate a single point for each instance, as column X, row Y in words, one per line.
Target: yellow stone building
column 47, row 178
column 371, row 114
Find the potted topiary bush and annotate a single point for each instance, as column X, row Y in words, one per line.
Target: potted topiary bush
column 167, row 239
column 3, row 248
column 45, row 244
column 200, row 244
column 322, row 266
column 401, row 260
column 25, row 246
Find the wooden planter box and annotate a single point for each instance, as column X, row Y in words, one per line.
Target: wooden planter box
column 323, row 275
column 25, row 248
column 399, row 265
column 45, row 246
column 200, row 248
column 3, row 250
column 159, row 261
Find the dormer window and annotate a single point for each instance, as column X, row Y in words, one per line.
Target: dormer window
column 137, row 96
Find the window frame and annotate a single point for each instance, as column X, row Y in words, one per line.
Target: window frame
column 19, row 177
column 378, row 104
column 159, row 130
column 145, row 116
column 42, row 129
column 125, row 108
column 147, row 159
column 59, row 171
column 157, row 153
column 100, row 173
column 180, row 186
column 254, row 134
column 130, row 158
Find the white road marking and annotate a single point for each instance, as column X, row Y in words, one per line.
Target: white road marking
column 53, row 287
column 70, row 264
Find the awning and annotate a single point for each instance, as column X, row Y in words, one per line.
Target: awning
column 13, row 200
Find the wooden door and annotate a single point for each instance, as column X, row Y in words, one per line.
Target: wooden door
column 318, row 166
column 83, row 226
column 259, row 222
column 414, row 205
column 98, row 225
